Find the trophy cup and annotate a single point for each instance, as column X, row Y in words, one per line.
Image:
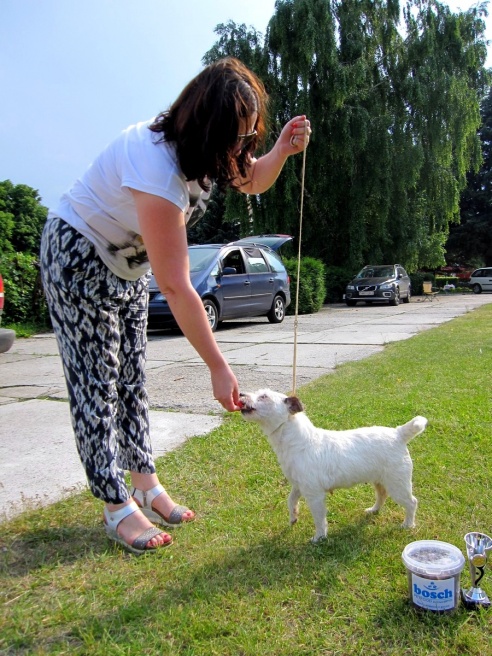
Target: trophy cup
column 478, row 546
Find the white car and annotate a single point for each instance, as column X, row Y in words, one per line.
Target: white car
column 481, row 280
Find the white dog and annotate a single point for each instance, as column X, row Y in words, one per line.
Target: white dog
column 317, row 461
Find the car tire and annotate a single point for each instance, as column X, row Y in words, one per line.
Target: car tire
column 477, row 289
column 407, row 297
column 351, row 303
column 212, row 314
column 395, row 301
column 7, row 338
column 277, row 311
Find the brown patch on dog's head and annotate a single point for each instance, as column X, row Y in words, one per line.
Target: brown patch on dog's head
column 294, row 405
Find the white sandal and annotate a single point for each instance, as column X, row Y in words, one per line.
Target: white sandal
column 112, row 519
column 144, row 500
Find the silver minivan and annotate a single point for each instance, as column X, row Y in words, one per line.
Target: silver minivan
column 481, row 280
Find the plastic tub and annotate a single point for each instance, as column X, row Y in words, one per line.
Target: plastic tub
column 434, row 570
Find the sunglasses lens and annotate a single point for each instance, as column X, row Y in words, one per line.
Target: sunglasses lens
column 245, row 139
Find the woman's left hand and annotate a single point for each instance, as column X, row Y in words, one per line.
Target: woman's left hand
column 294, row 137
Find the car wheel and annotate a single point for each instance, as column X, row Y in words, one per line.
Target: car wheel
column 477, row 289
column 212, row 313
column 351, row 303
column 407, row 297
column 7, row 338
column 396, row 300
column 277, row 311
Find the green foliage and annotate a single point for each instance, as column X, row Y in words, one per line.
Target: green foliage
column 471, row 240
column 312, row 289
column 394, row 121
column 22, row 218
column 24, row 298
column 337, row 278
column 212, row 228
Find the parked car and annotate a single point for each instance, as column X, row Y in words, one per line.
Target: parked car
column 246, row 278
column 481, row 280
column 376, row 283
column 7, row 337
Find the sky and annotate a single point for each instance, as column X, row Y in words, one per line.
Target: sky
column 74, row 73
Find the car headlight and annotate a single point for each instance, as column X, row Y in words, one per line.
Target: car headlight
column 386, row 285
column 350, row 288
column 160, row 297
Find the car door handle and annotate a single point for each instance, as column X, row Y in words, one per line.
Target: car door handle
column 246, row 282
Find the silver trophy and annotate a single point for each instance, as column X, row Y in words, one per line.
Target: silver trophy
column 478, row 546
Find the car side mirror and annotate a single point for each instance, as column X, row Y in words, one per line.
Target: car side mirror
column 229, row 271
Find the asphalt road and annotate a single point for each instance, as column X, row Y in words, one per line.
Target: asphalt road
column 38, row 461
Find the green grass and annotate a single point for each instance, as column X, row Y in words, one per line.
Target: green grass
column 240, row 580
column 26, row 328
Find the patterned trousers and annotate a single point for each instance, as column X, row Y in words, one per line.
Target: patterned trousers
column 100, row 322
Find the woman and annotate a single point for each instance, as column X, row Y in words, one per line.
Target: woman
column 126, row 214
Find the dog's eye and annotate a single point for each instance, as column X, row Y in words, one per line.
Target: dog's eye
column 262, row 397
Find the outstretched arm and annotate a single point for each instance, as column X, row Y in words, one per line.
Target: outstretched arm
column 163, row 230
column 293, row 139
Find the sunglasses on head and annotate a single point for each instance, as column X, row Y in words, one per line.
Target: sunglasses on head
column 245, row 139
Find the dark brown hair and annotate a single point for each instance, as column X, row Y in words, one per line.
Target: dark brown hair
column 204, row 122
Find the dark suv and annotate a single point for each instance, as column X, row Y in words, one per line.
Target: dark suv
column 376, row 283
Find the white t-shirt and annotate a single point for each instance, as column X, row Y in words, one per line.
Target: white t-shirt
column 101, row 207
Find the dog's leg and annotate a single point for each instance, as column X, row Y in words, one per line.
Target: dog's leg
column 402, row 494
column 317, row 506
column 293, row 503
column 381, row 495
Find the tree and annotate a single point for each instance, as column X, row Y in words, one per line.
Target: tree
column 394, row 117
column 212, row 228
column 22, row 218
column 471, row 240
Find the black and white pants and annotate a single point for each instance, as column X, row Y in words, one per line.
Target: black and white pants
column 100, row 323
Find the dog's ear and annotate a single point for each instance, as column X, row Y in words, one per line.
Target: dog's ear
column 293, row 404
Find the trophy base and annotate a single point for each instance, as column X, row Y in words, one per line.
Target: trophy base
column 474, row 598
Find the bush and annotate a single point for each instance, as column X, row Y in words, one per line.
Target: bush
column 417, row 280
column 337, row 278
column 312, row 288
column 24, row 298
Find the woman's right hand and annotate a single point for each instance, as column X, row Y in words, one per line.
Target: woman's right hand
column 225, row 387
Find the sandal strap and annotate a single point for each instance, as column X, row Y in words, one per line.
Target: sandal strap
column 145, row 537
column 114, row 517
column 176, row 515
column 146, row 497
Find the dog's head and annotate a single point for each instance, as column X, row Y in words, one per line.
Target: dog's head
column 269, row 409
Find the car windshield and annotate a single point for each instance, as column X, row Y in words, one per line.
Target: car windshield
column 376, row 272
column 201, row 258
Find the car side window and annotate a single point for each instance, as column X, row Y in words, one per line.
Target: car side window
column 274, row 261
column 234, row 259
column 255, row 261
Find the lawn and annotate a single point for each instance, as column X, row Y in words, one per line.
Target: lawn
column 240, row 580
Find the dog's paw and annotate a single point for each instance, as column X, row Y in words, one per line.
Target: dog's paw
column 371, row 511
column 318, row 539
column 408, row 525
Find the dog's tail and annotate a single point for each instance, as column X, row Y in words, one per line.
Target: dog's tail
column 412, row 428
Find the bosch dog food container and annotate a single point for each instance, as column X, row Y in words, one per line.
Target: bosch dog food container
column 434, row 570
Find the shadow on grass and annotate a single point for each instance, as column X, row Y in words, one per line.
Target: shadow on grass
column 49, row 547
